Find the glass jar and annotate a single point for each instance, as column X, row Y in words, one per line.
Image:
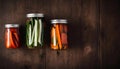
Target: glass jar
column 59, row 34
column 12, row 35
column 34, row 30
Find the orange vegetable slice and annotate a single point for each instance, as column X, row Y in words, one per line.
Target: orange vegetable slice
column 58, row 37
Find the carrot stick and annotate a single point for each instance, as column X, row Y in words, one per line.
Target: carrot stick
column 16, row 36
column 11, row 41
column 53, row 36
column 15, row 39
column 58, row 36
column 53, row 39
column 7, row 39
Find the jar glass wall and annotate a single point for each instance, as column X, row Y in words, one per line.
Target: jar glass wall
column 12, row 35
column 34, row 30
column 59, row 34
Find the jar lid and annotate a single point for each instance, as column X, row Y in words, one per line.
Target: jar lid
column 54, row 21
column 11, row 25
column 35, row 15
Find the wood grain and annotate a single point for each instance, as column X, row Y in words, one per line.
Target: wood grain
column 110, row 31
column 93, row 34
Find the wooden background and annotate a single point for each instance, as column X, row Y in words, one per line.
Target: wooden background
column 93, row 35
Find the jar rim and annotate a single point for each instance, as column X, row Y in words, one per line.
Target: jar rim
column 35, row 15
column 54, row 21
column 11, row 25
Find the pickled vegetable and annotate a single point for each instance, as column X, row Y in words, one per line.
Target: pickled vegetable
column 59, row 37
column 34, row 29
column 12, row 36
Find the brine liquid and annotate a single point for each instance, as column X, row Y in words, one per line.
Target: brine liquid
column 11, row 38
column 59, row 36
column 34, row 33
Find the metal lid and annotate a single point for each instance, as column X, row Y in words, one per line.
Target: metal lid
column 54, row 21
column 35, row 15
column 11, row 25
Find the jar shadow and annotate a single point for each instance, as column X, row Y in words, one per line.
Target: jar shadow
column 22, row 31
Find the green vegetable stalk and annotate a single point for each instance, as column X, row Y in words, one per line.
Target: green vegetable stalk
column 34, row 35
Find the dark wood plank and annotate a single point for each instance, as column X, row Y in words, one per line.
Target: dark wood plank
column 54, row 59
column 110, row 32
column 90, row 32
column 83, row 24
column 15, row 11
column 83, row 52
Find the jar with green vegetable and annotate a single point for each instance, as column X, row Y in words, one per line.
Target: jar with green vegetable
column 34, row 30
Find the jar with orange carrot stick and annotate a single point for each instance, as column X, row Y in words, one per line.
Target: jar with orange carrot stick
column 12, row 35
column 59, row 34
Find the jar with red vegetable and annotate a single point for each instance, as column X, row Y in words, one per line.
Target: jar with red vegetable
column 12, row 35
column 59, row 34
